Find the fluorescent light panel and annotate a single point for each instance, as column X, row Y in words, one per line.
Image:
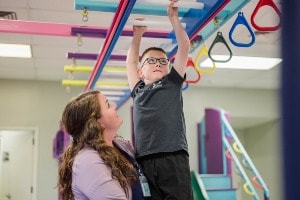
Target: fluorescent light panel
column 15, row 50
column 242, row 62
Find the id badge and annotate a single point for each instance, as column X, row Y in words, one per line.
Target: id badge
column 145, row 186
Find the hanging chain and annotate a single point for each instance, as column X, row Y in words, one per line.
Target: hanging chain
column 85, row 15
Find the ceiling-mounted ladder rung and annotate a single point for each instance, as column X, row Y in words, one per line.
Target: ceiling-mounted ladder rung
column 179, row 4
column 91, row 56
column 101, row 32
column 98, row 83
column 87, row 69
column 111, row 6
column 152, row 24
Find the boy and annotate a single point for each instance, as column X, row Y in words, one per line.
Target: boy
column 159, row 124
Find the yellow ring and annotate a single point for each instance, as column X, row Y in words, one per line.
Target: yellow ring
column 204, row 52
column 236, row 148
column 245, row 186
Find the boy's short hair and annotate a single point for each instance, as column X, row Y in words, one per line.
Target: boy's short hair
column 152, row 49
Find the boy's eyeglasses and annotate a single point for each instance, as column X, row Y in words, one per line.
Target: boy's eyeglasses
column 152, row 60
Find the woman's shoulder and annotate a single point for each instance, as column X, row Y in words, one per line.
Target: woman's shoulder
column 124, row 144
column 120, row 140
column 86, row 156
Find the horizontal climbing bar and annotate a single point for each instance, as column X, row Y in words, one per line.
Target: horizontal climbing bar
column 71, row 68
column 90, row 56
column 111, row 6
column 113, row 93
column 37, row 28
column 112, row 87
column 99, row 83
column 67, row 30
column 101, row 32
column 179, row 4
column 152, row 24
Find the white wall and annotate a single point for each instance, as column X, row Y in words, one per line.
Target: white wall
column 263, row 146
column 36, row 104
column 39, row 104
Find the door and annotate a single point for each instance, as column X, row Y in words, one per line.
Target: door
column 16, row 164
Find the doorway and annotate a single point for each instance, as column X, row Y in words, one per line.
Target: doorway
column 18, row 164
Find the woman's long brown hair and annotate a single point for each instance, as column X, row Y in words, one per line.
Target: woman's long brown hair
column 79, row 119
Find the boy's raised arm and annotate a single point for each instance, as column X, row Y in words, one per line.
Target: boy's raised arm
column 132, row 59
column 182, row 39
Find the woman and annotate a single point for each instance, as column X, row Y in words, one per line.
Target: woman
column 97, row 165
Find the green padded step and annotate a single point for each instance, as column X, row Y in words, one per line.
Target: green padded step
column 199, row 191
